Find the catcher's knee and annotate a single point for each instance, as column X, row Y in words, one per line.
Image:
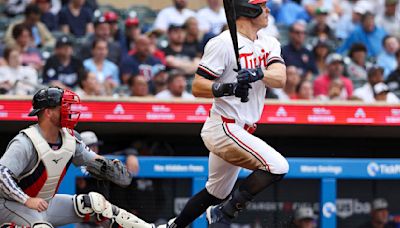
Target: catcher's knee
column 95, row 205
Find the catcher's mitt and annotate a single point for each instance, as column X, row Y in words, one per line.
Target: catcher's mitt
column 112, row 170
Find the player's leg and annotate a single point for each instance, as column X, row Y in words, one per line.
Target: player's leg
column 222, row 178
column 68, row 209
column 252, row 153
column 18, row 215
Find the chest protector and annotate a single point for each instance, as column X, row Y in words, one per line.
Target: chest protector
column 44, row 179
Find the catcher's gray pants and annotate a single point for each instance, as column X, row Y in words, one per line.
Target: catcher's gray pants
column 60, row 212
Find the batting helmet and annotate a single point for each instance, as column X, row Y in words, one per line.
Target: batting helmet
column 52, row 97
column 248, row 8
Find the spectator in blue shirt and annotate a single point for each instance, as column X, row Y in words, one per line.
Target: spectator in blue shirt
column 387, row 59
column 296, row 54
column 106, row 72
column 367, row 33
column 140, row 62
column 76, row 19
column 47, row 17
column 347, row 23
column 290, row 12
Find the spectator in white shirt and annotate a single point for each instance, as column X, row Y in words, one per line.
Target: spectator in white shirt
column 176, row 85
column 366, row 93
column 16, row 79
column 176, row 15
column 382, row 93
column 390, row 19
column 212, row 18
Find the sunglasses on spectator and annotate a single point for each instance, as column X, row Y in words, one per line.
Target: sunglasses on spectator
column 298, row 32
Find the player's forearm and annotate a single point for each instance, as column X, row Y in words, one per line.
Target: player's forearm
column 9, row 187
column 275, row 76
column 202, row 87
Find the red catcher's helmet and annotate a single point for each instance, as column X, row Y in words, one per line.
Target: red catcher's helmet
column 52, row 97
column 110, row 16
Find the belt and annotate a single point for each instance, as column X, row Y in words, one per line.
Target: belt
column 249, row 128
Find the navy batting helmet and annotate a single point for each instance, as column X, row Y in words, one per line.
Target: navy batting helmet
column 248, row 8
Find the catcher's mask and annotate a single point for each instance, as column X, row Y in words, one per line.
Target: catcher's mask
column 52, row 97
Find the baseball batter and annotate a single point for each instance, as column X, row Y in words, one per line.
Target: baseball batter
column 227, row 133
column 35, row 162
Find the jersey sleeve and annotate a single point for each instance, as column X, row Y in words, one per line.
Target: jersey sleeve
column 19, row 147
column 11, row 168
column 275, row 56
column 214, row 60
column 83, row 153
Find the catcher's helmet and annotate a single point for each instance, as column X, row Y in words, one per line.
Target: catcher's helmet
column 248, row 8
column 52, row 97
column 46, row 98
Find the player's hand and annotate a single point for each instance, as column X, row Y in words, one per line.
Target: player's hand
column 250, row 75
column 38, row 204
column 241, row 90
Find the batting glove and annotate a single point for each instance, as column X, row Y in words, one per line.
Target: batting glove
column 241, row 90
column 250, row 75
column 228, row 89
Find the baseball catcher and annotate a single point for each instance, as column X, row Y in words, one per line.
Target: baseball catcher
column 36, row 161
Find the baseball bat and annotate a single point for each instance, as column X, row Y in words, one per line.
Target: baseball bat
column 230, row 14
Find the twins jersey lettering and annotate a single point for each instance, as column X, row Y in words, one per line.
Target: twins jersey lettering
column 219, row 64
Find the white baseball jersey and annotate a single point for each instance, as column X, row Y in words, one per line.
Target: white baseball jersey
column 218, row 63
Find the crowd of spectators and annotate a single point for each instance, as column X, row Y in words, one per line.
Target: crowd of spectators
column 333, row 49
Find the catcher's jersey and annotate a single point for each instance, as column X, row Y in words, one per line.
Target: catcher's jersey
column 21, row 157
column 218, row 63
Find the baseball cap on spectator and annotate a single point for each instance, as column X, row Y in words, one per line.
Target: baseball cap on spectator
column 379, row 203
column 132, row 21
column 374, row 69
column 175, row 27
column 158, row 68
column 381, row 88
column 391, row 2
column 90, row 138
column 100, row 20
column 110, row 17
column 361, row 7
column 64, row 41
column 333, row 58
column 320, row 11
column 304, row 213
